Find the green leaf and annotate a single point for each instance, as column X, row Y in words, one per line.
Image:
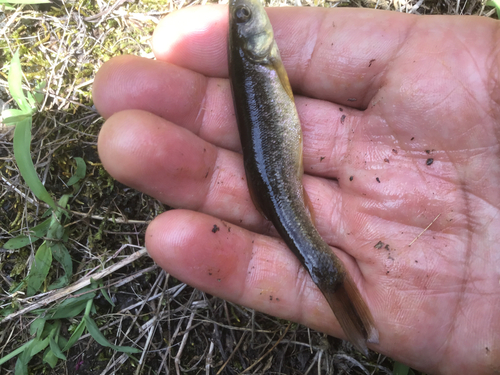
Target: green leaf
column 47, row 213
column 38, row 345
column 6, row 311
column 49, row 327
column 50, row 358
column 400, row 369
column 21, row 368
column 39, row 269
column 99, row 337
column 19, row 241
column 496, row 4
column 36, row 327
column 16, row 83
column 22, row 143
column 56, row 349
column 94, row 331
column 36, row 233
column 12, row 116
column 18, row 351
column 70, row 307
column 56, row 230
column 16, row 287
column 61, row 282
column 61, row 254
column 39, row 95
column 75, row 336
column 493, row 3
column 22, row 362
column 61, row 341
column 63, row 201
column 68, row 311
column 107, row 297
column 81, row 171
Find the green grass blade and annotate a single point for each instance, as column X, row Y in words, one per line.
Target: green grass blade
column 70, row 307
column 39, row 269
column 22, row 143
column 107, row 297
column 22, row 361
column 12, row 116
column 16, row 83
column 61, row 254
column 99, row 337
column 38, row 346
column 36, row 327
column 39, row 95
column 21, row 367
column 68, row 311
column 496, row 4
column 56, row 230
column 50, row 358
column 37, row 232
column 75, row 336
column 19, row 241
column 24, row 1
column 56, row 349
column 81, row 170
column 18, row 351
column 400, row 369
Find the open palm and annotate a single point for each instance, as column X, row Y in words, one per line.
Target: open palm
column 401, row 118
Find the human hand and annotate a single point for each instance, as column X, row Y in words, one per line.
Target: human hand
column 379, row 95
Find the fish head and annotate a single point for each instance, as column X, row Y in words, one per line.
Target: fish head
column 250, row 29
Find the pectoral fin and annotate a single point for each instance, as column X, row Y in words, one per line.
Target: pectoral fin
column 280, row 69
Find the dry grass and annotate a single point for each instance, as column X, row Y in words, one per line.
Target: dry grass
column 180, row 328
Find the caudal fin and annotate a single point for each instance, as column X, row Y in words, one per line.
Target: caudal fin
column 353, row 314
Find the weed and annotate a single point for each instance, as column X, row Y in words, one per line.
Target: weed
column 53, row 236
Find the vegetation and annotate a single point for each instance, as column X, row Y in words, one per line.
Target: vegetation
column 76, row 292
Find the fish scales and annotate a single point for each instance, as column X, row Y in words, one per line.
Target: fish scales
column 271, row 139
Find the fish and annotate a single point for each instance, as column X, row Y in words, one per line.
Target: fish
column 271, row 140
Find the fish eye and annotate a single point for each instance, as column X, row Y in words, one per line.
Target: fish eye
column 242, row 14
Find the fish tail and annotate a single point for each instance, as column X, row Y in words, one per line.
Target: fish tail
column 352, row 313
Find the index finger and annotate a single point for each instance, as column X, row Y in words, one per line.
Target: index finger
column 334, row 55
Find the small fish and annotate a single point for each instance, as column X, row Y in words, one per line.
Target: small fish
column 271, row 139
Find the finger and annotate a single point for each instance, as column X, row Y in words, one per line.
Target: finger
column 175, row 166
column 131, row 82
column 248, row 269
column 332, row 55
column 180, row 169
column 340, row 55
column 203, row 106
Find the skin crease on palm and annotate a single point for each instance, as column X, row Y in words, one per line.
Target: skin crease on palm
column 378, row 93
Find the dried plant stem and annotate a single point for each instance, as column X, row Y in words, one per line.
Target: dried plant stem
column 427, row 227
